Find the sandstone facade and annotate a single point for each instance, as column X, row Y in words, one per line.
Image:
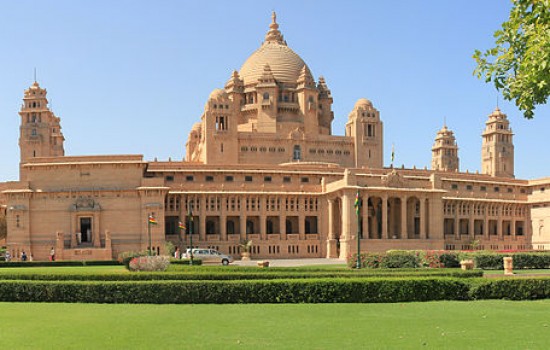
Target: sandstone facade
column 262, row 165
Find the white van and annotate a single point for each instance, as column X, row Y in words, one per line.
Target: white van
column 208, row 256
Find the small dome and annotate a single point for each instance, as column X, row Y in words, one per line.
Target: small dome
column 363, row 103
column 217, row 94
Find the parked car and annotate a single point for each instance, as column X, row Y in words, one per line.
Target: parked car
column 207, row 256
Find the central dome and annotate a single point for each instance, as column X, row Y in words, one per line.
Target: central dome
column 285, row 64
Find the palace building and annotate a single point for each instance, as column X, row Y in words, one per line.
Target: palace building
column 262, row 164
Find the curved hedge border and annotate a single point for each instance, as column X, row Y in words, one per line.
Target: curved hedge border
column 217, row 292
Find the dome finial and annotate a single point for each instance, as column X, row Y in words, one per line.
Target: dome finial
column 274, row 34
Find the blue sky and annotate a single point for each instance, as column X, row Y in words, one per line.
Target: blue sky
column 131, row 77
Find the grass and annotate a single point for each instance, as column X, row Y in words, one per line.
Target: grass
column 431, row 325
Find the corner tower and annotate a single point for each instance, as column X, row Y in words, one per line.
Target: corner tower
column 497, row 149
column 365, row 127
column 445, row 151
column 40, row 131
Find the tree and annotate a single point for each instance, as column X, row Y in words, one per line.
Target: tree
column 519, row 65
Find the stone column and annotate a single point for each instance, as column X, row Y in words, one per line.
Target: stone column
column 471, row 232
column 404, row 234
column 301, row 218
column 96, row 236
column 422, row 218
column 346, row 226
column 243, row 217
column 457, row 220
column 486, row 233
column 263, row 218
column 499, row 223
column 331, row 241
column 183, row 219
column 513, row 222
column 202, row 218
column 365, row 214
column 223, row 219
column 384, row 217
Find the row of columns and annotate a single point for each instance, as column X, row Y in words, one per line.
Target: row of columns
column 263, row 215
column 348, row 214
column 486, row 233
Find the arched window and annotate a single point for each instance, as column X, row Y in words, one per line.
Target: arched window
column 297, row 154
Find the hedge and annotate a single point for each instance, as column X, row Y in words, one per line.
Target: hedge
column 486, row 260
column 59, row 263
column 512, row 288
column 257, row 274
column 217, row 292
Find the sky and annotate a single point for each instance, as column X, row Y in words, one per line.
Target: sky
column 132, row 77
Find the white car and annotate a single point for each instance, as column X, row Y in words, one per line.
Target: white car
column 208, row 256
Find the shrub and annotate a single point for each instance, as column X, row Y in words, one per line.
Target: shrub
column 149, row 263
column 450, row 259
column 401, row 259
column 125, row 257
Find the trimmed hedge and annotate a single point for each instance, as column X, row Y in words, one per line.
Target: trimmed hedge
column 233, row 275
column 216, row 292
column 59, row 263
column 512, row 288
column 485, row 260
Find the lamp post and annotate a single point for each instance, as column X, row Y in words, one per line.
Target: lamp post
column 190, row 238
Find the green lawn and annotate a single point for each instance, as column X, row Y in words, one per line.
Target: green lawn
column 432, row 325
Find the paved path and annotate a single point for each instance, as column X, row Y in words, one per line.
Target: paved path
column 291, row 262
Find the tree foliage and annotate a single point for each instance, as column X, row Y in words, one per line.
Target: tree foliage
column 519, row 65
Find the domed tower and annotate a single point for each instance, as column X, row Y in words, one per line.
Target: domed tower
column 219, row 130
column 40, row 131
column 445, row 151
column 279, row 91
column 497, row 149
column 365, row 126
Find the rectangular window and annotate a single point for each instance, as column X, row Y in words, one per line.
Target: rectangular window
column 497, row 189
column 454, row 186
column 169, row 178
column 189, row 178
column 469, row 187
column 286, row 179
column 267, row 178
column 510, row 190
column 209, row 178
column 304, row 179
column 248, row 178
column 229, row 178
column 483, row 189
